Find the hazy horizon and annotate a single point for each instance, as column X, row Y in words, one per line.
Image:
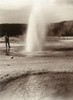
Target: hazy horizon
column 18, row 11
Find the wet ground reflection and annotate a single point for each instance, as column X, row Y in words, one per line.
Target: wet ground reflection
column 43, row 86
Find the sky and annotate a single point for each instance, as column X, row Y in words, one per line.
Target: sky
column 19, row 11
column 15, row 11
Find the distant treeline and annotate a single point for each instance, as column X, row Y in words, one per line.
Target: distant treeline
column 61, row 29
column 64, row 28
column 13, row 29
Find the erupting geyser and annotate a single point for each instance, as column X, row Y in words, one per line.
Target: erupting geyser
column 36, row 32
column 45, row 12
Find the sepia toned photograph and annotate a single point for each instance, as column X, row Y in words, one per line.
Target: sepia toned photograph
column 36, row 49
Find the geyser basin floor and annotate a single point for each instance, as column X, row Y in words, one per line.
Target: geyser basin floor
column 59, row 60
column 40, row 86
column 58, row 56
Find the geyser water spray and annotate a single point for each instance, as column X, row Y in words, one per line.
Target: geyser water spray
column 35, row 35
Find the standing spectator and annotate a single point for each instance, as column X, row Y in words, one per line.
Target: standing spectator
column 7, row 43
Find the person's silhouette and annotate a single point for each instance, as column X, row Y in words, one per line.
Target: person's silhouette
column 7, row 43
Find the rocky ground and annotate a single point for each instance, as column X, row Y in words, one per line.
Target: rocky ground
column 45, row 76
